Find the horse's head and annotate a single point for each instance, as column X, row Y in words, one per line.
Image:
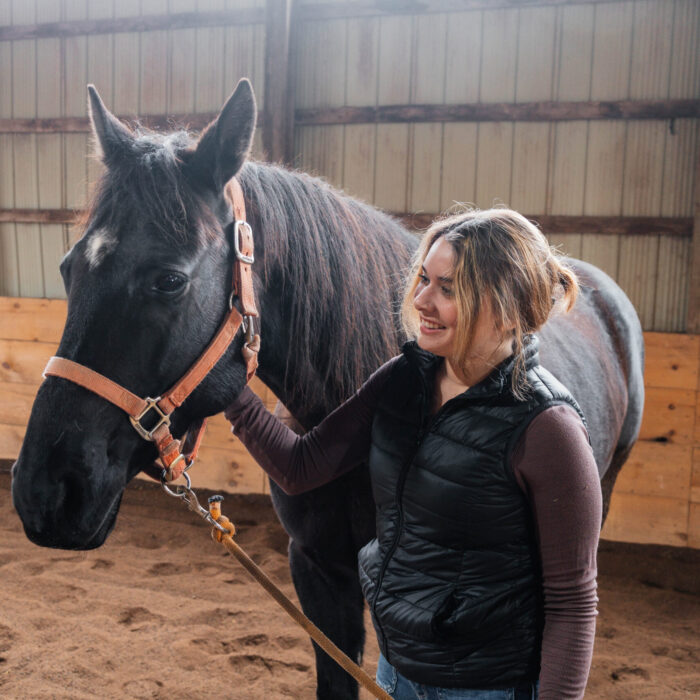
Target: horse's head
column 148, row 285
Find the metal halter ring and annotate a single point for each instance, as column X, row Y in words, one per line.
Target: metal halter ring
column 169, row 491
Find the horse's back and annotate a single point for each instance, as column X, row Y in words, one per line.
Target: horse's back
column 597, row 351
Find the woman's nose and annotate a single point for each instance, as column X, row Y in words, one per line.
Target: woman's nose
column 421, row 301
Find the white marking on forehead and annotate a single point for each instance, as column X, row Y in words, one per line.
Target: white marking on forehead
column 99, row 244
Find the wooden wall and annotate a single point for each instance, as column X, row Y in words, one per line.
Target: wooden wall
column 358, row 55
column 656, row 499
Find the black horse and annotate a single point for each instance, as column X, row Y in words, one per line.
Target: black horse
column 147, row 286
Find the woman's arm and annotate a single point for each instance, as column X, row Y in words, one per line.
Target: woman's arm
column 554, row 465
column 300, row 463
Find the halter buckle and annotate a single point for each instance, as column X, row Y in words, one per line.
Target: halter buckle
column 163, row 419
column 248, row 259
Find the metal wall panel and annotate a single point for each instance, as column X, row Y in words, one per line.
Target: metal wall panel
column 640, row 49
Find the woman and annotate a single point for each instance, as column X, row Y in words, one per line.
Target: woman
column 481, row 580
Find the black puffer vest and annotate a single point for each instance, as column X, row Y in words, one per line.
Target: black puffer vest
column 453, row 577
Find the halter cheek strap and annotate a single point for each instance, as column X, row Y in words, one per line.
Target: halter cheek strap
column 177, row 458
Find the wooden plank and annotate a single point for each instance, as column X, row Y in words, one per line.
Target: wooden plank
column 604, row 168
column 535, row 57
column 679, row 164
column 638, row 273
column 11, row 437
column 671, row 360
column 647, row 520
column 459, row 152
column 643, row 171
column 494, row 164
column 177, row 20
column 498, row 56
column 127, row 63
column 673, row 272
column 567, row 181
column 612, row 49
column 22, row 361
column 358, row 164
column 566, row 243
column 684, row 78
column 652, row 32
column 464, row 143
column 209, row 89
column 657, row 469
column 391, row 167
column 16, row 404
column 394, row 88
column 528, row 190
column 9, row 277
column 695, row 477
column 694, row 525
column 387, row 114
column 153, row 97
column 601, row 250
column 278, row 129
column 463, row 55
column 181, row 90
column 693, row 319
column 371, row 8
column 573, row 80
column 32, row 319
column 424, row 164
column 428, row 59
column 669, row 415
column 245, row 58
column 362, row 62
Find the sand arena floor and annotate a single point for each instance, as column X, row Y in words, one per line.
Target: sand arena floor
column 160, row 611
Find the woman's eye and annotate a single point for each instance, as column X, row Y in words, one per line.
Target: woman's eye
column 170, row 283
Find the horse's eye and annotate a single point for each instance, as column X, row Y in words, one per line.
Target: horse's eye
column 170, row 283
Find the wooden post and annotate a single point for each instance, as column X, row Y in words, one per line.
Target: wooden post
column 693, row 318
column 279, row 115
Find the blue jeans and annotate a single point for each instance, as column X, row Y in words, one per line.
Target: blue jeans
column 400, row 688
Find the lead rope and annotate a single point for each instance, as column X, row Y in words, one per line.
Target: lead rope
column 223, row 531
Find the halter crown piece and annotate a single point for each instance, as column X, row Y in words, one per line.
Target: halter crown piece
column 177, row 457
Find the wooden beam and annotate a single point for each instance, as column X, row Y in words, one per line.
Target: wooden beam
column 693, row 315
column 277, row 128
column 372, row 8
column 504, row 111
column 144, row 23
column 81, row 125
column 486, row 112
column 611, row 225
column 38, row 216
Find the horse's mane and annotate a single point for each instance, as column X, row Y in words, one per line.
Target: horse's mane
column 338, row 262
column 341, row 264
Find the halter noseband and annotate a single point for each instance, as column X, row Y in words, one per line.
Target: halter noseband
column 177, row 458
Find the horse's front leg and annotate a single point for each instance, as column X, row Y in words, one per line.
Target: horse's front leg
column 327, row 527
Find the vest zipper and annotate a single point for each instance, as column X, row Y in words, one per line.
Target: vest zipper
column 399, row 521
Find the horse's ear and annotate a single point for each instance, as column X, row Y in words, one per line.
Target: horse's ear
column 111, row 136
column 225, row 143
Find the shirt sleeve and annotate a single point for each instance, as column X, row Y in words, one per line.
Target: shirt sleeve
column 299, row 463
column 554, row 465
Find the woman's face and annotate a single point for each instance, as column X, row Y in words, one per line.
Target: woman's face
column 435, row 302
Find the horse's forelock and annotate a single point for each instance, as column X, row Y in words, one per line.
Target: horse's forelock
column 148, row 184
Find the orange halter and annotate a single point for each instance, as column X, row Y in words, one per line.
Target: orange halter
column 175, row 457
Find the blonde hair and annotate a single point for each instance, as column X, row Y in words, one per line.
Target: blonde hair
column 504, row 260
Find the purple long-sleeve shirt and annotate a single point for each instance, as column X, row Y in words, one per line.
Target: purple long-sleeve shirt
column 554, row 466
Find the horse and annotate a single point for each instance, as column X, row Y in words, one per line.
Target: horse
column 147, row 285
